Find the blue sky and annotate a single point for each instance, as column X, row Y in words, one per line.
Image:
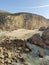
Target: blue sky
column 40, row 7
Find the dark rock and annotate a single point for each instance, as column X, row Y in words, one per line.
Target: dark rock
column 5, row 54
column 42, row 28
column 14, row 59
column 45, row 36
column 21, row 59
column 37, row 40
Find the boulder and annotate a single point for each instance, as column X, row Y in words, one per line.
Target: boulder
column 41, row 54
column 36, row 39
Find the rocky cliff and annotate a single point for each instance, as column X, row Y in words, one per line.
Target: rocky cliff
column 16, row 21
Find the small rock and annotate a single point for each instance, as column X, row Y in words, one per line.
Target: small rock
column 41, row 53
column 26, row 50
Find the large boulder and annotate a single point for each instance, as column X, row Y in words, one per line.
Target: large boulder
column 36, row 39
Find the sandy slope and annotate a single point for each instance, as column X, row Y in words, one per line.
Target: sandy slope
column 19, row 34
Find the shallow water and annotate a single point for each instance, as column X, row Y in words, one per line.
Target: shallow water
column 33, row 58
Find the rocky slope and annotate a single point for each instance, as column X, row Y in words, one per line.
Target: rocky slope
column 15, row 21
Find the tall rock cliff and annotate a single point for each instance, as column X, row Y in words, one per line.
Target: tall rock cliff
column 16, row 21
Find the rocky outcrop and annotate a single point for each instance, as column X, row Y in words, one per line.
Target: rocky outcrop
column 16, row 21
column 42, row 28
column 45, row 36
column 37, row 40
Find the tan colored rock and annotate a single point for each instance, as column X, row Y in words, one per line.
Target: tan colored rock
column 41, row 53
column 21, row 20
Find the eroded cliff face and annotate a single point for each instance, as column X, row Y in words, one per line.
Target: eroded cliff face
column 21, row 20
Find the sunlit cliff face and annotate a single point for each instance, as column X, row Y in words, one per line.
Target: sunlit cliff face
column 21, row 20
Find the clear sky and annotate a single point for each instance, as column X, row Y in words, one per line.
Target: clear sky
column 40, row 7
